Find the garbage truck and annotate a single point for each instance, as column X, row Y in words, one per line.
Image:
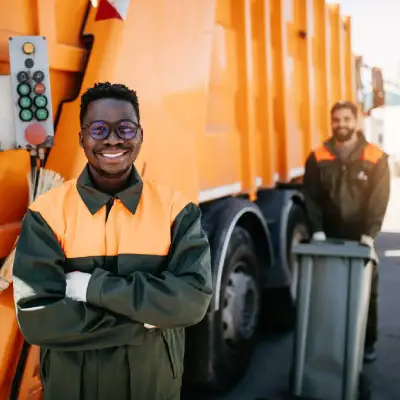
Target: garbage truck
column 233, row 96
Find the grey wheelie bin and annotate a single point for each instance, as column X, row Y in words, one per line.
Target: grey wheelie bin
column 332, row 307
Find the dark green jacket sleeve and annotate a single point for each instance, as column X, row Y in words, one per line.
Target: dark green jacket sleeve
column 378, row 198
column 45, row 317
column 312, row 193
column 179, row 296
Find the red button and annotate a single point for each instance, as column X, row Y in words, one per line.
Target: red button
column 39, row 88
column 35, row 134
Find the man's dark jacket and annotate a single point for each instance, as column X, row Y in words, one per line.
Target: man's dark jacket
column 347, row 198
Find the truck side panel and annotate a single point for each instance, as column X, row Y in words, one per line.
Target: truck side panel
column 168, row 64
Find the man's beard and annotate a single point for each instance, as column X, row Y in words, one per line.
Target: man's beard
column 342, row 136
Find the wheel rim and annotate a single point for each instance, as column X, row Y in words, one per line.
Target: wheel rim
column 240, row 308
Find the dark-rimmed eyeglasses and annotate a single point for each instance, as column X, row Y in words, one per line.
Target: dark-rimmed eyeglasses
column 125, row 129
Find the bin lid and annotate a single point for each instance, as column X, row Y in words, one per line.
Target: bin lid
column 335, row 248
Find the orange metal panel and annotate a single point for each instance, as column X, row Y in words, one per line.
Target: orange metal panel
column 350, row 63
column 280, row 67
column 10, row 343
column 336, row 55
column 322, row 68
column 263, row 81
column 240, row 91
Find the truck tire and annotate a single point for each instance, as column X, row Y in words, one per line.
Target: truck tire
column 297, row 231
column 280, row 312
column 237, row 320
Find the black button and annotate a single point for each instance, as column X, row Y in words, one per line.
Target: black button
column 38, row 76
column 29, row 63
column 23, row 77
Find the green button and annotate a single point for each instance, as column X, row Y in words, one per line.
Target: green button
column 24, row 89
column 40, row 101
column 26, row 115
column 25, row 102
column 42, row 114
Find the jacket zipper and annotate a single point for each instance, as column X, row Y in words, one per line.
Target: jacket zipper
column 109, row 205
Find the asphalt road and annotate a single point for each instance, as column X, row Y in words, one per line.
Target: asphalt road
column 268, row 375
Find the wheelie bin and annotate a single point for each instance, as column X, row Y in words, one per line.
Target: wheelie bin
column 332, row 308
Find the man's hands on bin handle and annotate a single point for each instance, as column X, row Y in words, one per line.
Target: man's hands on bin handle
column 367, row 241
column 319, row 236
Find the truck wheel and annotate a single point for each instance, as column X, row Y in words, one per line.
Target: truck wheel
column 297, row 231
column 237, row 320
column 280, row 313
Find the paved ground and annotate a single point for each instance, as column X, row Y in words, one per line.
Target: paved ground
column 268, row 376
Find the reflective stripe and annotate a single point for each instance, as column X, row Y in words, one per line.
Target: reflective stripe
column 372, row 153
column 296, row 172
column 220, row 191
column 323, row 154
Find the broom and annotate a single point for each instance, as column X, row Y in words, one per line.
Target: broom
column 45, row 180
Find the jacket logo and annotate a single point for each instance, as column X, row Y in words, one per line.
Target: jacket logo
column 361, row 176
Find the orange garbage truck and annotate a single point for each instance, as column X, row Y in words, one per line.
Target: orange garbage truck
column 233, row 96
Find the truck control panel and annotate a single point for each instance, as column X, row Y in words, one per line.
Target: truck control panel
column 31, row 94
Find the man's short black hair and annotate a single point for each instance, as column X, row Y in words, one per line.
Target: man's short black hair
column 104, row 90
column 345, row 104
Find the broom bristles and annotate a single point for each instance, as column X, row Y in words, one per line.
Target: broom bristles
column 48, row 179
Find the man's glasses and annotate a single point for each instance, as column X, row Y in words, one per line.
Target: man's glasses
column 125, row 129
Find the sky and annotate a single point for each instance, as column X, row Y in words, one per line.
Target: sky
column 375, row 31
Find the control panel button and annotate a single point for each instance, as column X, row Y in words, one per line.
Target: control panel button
column 39, row 88
column 29, row 63
column 40, row 101
column 26, row 115
column 23, row 77
column 35, row 134
column 41, row 114
column 25, row 102
column 28, row 48
column 38, row 76
column 24, row 89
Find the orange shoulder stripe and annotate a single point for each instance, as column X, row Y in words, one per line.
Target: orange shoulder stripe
column 323, row 154
column 48, row 206
column 372, row 153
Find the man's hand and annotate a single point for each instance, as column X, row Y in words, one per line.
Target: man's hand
column 319, row 237
column 77, row 283
column 367, row 241
column 147, row 326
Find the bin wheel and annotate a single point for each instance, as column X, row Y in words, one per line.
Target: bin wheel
column 365, row 387
column 237, row 320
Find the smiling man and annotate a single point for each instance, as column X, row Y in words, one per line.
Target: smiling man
column 346, row 189
column 110, row 268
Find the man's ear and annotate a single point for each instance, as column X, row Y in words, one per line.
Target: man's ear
column 80, row 139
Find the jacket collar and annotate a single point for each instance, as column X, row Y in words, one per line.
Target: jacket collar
column 356, row 153
column 95, row 200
